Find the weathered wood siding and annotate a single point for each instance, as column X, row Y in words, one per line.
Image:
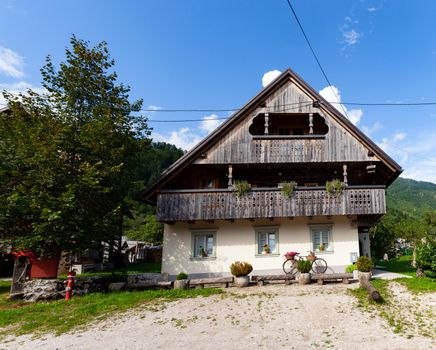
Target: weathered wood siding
column 238, row 145
column 268, row 203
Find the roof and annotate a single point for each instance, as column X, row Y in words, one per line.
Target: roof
column 287, row 75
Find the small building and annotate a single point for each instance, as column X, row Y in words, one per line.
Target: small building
column 287, row 135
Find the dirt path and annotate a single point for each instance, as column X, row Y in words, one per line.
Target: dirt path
column 269, row 317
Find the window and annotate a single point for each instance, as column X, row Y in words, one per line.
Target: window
column 322, row 239
column 267, row 240
column 203, row 244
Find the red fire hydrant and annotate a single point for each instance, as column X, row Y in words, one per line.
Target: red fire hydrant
column 69, row 284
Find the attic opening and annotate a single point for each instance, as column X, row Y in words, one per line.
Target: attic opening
column 288, row 125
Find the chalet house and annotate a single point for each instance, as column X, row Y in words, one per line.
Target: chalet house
column 287, row 133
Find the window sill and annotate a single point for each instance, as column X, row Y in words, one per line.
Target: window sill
column 203, row 259
column 269, row 255
column 319, row 252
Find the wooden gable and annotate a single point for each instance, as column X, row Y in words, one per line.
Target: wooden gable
column 239, row 146
column 232, row 142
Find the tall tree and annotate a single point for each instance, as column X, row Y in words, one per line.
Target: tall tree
column 68, row 156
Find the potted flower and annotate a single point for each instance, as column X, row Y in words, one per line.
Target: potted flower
column 311, row 256
column 266, row 249
column 290, row 255
column 365, row 266
column 203, row 253
column 288, row 188
column 241, row 187
column 321, row 247
column 181, row 281
column 303, row 267
column 241, row 270
column 334, row 187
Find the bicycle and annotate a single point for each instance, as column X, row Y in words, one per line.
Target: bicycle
column 318, row 265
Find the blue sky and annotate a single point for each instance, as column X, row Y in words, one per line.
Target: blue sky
column 214, row 54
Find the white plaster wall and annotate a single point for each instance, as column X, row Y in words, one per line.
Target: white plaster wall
column 237, row 241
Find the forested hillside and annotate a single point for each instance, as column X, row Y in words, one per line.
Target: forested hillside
column 141, row 224
column 411, row 215
column 411, row 198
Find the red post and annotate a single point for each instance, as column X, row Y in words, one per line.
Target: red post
column 69, row 283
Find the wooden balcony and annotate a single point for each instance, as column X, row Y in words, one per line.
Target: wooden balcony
column 215, row 204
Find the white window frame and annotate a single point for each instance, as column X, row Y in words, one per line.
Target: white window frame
column 261, row 230
column 323, row 230
column 194, row 249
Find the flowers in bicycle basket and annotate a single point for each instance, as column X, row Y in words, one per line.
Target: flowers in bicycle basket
column 290, row 255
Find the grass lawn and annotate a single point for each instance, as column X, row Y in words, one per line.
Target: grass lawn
column 403, row 265
column 18, row 317
column 414, row 284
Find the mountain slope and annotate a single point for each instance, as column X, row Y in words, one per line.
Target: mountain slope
column 411, row 198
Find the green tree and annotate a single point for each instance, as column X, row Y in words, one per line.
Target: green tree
column 68, row 156
column 142, row 224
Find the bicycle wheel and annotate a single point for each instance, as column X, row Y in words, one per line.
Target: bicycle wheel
column 289, row 267
column 319, row 266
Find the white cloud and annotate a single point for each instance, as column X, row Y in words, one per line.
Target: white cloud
column 183, row 138
column 333, row 95
column 351, row 37
column 153, row 108
column 369, row 130
column 415, row 153
column 17, row 88
column 11, row 63
column 186, row 137
column 268, row 77
column 372, row 9
column 210, row 123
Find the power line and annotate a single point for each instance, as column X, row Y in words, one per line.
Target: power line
column 314, row 55
column 205, row 120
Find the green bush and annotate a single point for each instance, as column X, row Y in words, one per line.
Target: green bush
column 350, row 268
column 426, row 258
column 364, row 264
column 304, row 266
column 182, row 276
column 241, row 187
column 288, row 188
column 240, row 268
column 334, row 187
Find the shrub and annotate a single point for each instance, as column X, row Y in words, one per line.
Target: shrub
column 364, row 264
column 241, row 187
column 350, row 268
column 182, row 276
column 304, row 266
column 240, row 268
column 426, row 259
column 335, row 186
column 288, row 188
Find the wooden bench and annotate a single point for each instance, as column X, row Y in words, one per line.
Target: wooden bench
column 321, row 277
column 201, row 282
column 261, row 279
column 141, row 285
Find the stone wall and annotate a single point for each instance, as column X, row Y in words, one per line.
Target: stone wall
column 50, row 289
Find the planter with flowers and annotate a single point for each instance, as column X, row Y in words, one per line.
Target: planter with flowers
column 311, row 257
column 303, row 267
column 266, row 249
column 290, row 255
column 241, row 270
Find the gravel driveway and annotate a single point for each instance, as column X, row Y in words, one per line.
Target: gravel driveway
column 268, row 317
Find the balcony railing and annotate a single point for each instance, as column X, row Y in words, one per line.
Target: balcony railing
column 185, row 205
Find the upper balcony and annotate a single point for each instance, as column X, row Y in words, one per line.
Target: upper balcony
column 215, row 204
